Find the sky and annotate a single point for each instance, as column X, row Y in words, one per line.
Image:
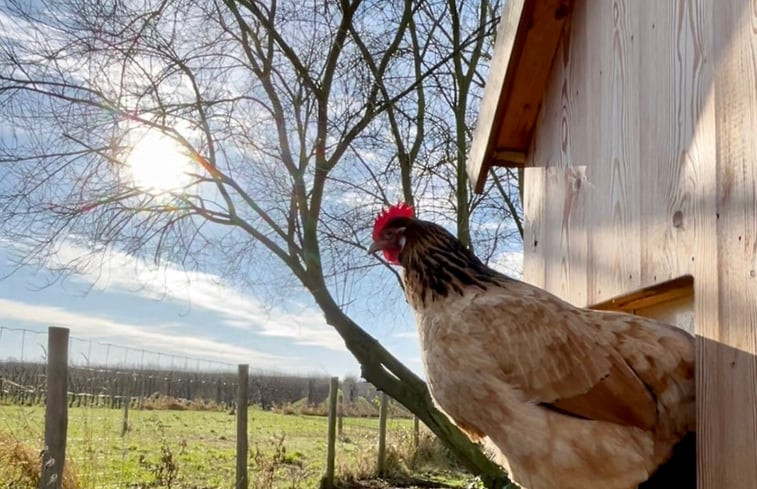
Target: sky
column 174, row 318
column 167, row 311
column 130, row 312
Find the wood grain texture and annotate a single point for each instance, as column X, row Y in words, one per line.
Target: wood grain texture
column 667, row 134
column 728, row 391
column 622, row 110
column 243, row 401
column 676, row 311
column 559, row 145
column 533, row 225
column 574, row 146
column 671, row 80
column 565, row 251
column 555, row 209
column 579, row 102
column 527, row 40
column 328, row 479
column 56, row 409
column 477, row 165
column 613, row 56
column 701, row 228
column 527, row 76
column 546, row 154
column 652, row 295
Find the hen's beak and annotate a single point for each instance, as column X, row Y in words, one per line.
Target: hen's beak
column 375, row 246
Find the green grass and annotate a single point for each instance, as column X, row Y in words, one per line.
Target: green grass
column 286, row 451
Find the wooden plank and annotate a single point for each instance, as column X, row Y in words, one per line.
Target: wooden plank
column 728, row 387
column 596, row 37
column 679, row 312
column 534, row 180
column 328, row 480
column 555, row 260
column 383, row 414
column 242, row 408
column 540, row 31
column 545, row 150
column 546, row 154
column 477, row 165
column 503, row 157
column 530, row 31
column 702, row 152
column 340, row 414
column 559, row 144
column 574, row 143
column 613, row 248
column 56, row 409
column 661, row 134
column 652, row 295
column 126, row 399
column 674, row 78
column 677, row 158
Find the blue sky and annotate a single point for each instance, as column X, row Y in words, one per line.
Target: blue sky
column 174, row 312
column 129, row 303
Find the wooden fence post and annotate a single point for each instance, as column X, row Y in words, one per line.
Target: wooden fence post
column 113, row 392
column 141, row 402
column 328, row 482
column 242, row 403
column 126, row 399
column 56, row 409
column 382, row 434
column 340, row 414
column 416, row 432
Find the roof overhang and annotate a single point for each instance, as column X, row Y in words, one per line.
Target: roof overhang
column 527, row 39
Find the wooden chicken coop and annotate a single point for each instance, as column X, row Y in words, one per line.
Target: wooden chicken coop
column 635, row 124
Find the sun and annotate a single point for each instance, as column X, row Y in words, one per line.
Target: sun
column 158, row 164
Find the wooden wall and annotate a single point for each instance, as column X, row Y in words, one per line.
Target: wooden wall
column 643, row 167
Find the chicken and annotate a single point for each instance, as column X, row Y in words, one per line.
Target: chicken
column 562, row 397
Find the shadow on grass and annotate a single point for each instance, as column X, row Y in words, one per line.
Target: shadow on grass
column 396, row 483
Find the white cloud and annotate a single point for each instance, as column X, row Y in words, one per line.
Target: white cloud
column 166, row 337
column 113, row 270
column 509, row 262
column 15, row 29
column 406, row 334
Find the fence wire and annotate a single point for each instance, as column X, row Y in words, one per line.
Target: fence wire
column 141, row 418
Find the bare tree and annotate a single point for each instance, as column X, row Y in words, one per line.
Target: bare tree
column 431, row 127
column 300, row 120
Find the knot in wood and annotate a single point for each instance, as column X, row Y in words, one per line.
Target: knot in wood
column 678, row 219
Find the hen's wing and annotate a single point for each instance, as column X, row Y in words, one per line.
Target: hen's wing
column 573, row 360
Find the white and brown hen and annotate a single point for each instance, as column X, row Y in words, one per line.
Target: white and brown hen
column 563, row 397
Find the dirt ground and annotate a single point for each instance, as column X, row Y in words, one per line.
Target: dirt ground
column 394, row 484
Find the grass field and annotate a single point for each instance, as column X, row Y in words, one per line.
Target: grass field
column 195, row 449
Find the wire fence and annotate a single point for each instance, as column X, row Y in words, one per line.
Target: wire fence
column 139, row 418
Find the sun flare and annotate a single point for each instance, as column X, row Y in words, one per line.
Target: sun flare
column 157, row 163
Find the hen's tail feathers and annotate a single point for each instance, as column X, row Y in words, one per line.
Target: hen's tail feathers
column 680, row 471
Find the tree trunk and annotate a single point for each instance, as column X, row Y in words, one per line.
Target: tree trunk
column 389, row 375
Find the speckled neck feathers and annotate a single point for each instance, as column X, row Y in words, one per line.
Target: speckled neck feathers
column 437, row 265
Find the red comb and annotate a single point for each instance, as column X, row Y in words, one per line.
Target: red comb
column 386, row 215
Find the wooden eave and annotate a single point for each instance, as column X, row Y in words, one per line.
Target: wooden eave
column 653, row 295
column 527, row 39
